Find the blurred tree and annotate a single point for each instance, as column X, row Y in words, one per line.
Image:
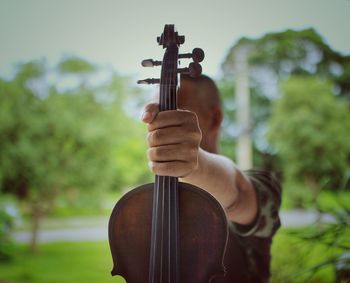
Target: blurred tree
column 53, row 141
column 76, row 65
column 273, row 58
column 309, row 128
column 229, row 129
column 278, row 55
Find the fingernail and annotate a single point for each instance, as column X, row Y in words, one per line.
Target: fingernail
column 146, row 116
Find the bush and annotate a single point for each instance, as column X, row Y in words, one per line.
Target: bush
column 8, row 213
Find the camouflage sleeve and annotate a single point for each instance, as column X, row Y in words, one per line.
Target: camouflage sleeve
column 268, row 192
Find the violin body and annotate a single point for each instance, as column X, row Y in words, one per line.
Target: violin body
column 202, row 241
column 168, row 232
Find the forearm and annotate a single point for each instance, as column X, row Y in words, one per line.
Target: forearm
column 220, row 177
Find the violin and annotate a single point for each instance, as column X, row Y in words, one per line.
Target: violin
column 168, row 231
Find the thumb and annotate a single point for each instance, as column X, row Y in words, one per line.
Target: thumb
column 150, row 112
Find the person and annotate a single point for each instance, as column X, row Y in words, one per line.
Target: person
column 185, row 143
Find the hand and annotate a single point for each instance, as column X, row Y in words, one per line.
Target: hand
column 173, row 138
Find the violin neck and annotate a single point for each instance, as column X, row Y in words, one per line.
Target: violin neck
column 164, row 257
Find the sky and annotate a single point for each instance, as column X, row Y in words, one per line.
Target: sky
column 119, row 34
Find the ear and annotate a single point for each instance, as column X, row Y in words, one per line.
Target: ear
column 216, row 118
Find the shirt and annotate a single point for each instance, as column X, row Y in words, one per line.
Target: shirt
column 247, row 258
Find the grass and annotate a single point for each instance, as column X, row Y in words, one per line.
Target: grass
column 61, row 262
column 90, row 262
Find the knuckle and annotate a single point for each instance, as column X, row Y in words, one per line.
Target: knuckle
column 164, row 168
column 156, row 135
column 157, row 153
column 192, row 127
column 149, row 138
column 197, row 134
column 191, row 117
column 153, row 137
column 170, row 169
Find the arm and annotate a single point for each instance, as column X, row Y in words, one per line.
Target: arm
column 219, row 176
column 173, row 139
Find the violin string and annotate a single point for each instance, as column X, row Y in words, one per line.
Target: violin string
column 168, row 106
column 173, row 98
column 170, row 94
column 159, row 211
column 164, row 179
column 154, row 229
column 173, row 188
column 157, row 222
column 162, row 231
column 166, row 191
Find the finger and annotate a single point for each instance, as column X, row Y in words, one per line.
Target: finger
column 150, row 112
column 172, row 135
column 185, row 153
column 173, row 168
column 172, row 118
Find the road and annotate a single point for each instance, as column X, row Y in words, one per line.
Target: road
column 96, row 229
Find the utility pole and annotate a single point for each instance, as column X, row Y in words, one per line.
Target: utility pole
column 244, row 148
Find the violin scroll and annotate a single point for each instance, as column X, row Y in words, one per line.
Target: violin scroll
column 169, row 39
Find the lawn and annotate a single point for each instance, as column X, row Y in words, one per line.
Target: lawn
column 61, row 262
column 90, row 262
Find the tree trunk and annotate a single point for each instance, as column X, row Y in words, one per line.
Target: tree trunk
column 311, row 182
column 314, row 186
column 37, row 216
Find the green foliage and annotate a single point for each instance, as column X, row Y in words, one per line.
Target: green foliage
column 293, row 259
column 75, row 65
column 299, row 196
column 228, row 132
column 318, row 253
column 7, row 219
column 273, row 58
column 309, row 129
column 329, row 241
column 67, row 141
column 30, row 70
column 290, row 52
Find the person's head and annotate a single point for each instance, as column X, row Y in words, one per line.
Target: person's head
column 201, row 96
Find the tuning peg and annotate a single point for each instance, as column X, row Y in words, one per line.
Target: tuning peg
column 194, row 70
column 197, row 55
column 150, row 63
column 148, row 81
